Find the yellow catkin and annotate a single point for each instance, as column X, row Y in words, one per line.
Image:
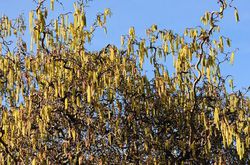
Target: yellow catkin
column 31, row 16
column 88, row 94
column 112, row 54
column 216, row 117
column 66, row 103
column 52, row 2
column 232, row 58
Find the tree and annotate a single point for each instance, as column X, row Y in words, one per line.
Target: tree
column 64, row 104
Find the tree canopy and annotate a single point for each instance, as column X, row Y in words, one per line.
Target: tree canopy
column 62, row 103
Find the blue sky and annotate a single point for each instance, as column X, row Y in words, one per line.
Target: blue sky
column 167, row 14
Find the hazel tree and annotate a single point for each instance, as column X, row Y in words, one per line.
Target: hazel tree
column 64, row 104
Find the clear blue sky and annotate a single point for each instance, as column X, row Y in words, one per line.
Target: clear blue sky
column 167, row 14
